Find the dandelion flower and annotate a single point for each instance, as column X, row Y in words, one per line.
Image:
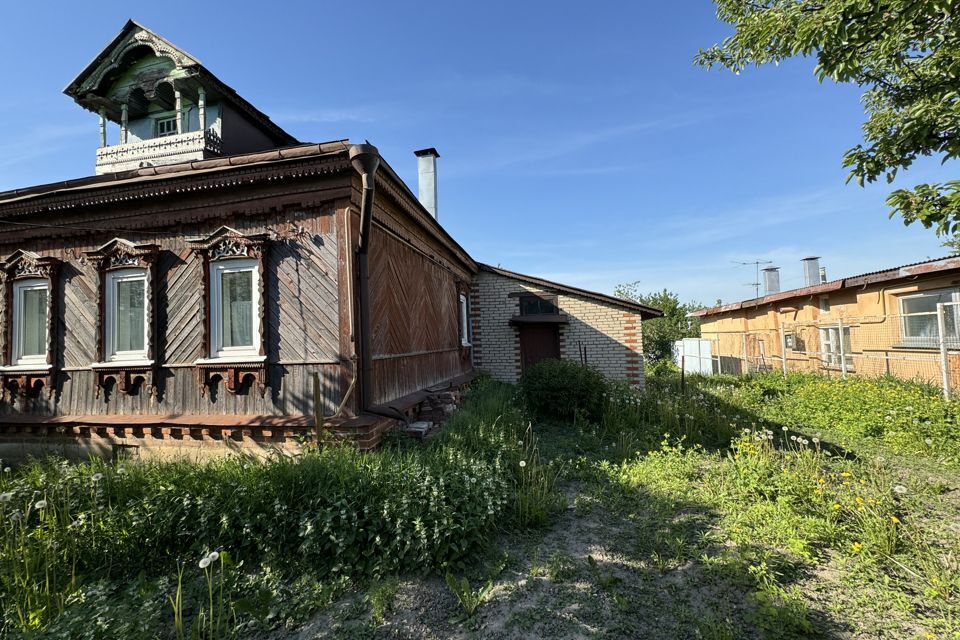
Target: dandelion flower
column 894, row 519
column 205, row 562
column 41, row 504
column 523, row 463
column 836, row 506
column 857, row 547
column 899, row 488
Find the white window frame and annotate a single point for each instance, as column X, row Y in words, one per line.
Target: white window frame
column 464, row 308
column 113, row 279
column 930, row 342
column 830, row 347
column 19, row 287
column 217, row 270
column 164, row 120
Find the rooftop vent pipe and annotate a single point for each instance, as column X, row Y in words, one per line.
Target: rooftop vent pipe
column 771, row 280
column 427, row 173
column 811, row 271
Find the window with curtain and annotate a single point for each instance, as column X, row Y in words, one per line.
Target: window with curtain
column 919, row 318
column 126, row 315
column 30, row 322
column 234, row 308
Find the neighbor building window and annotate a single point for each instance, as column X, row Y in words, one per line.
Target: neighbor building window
column 167, row 127
column 234, row 308
column 125, row 315
column 464, row 321
column 831, row 351
column 824, row 304
column 533, row 305
column 919, row 317
column 30, row 310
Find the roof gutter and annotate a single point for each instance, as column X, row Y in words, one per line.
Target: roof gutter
column 365, row 159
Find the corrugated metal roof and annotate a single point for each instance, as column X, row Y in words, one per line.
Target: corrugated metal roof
column 912, row 269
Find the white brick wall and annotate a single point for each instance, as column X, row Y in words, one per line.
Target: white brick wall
column 609, row 337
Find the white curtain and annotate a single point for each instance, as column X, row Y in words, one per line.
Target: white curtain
column 130, row 315
column 34, row 334
column 237, row 305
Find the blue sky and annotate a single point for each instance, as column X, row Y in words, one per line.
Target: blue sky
column 578, row 142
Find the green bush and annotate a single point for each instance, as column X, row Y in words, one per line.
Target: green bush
column 337, row 512
column 563, row 389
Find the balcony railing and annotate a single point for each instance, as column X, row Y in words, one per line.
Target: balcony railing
column 194, row 145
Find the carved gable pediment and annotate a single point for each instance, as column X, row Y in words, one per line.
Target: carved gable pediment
column 27, row 264
column 120, row 253
column 226, row 243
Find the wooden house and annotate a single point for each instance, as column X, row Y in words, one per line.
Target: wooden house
column 218, row 284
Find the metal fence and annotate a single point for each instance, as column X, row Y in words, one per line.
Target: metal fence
column 922, row 346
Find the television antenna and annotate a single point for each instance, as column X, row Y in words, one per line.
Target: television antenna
column 756, row 283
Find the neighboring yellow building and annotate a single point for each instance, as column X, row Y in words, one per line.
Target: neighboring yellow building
column 885, row 322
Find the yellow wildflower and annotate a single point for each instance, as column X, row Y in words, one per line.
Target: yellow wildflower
column 857, row 547
column 859, row 500
column 836, row 506
column 846, row 474
column 894, row 519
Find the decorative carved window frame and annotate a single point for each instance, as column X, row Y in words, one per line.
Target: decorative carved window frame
column 227, row 244
column 26, row 380
column 127, row 376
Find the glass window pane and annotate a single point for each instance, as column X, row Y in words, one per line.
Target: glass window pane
column 237, row 309
column 33, row 333
column 130, row 315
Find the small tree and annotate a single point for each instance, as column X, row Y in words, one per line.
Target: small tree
column 659, row 334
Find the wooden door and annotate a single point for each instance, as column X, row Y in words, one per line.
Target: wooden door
column 538, row 342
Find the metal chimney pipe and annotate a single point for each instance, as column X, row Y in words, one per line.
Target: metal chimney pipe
column 771, row 280
column 427, row 174
column 811, row 271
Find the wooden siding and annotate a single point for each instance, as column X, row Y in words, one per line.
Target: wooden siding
column 415, row 315
column 302, row 313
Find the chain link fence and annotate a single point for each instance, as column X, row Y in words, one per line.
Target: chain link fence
column 923, row 346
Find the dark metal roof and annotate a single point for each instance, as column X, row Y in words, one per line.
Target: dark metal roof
column 911, row 270
column 629, row 305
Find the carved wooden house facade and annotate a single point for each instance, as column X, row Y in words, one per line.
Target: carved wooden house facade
column 219, row 283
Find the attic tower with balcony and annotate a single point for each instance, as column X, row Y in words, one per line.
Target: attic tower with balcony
column 168, row 107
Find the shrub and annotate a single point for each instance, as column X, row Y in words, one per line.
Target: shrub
column 563, row 389
column 336, row 511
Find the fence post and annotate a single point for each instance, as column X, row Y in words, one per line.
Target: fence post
column 944, row 354
column 746, row 361
column 843, row 350
column 783, row 348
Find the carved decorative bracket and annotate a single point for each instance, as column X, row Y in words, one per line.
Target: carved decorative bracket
column 234, row 376
column 25, row 385
column 126, row 380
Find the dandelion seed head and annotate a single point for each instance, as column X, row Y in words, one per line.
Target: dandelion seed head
column 6, row 497
column 97, row 477
column 214, row 556
column 205, row 562
column 523, row 463
column 41, row 504
column 899, row 488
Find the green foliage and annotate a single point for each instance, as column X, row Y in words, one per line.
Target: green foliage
column 337, row 511
column 659, row 334
column 904, row 51
column 563, row 389
column 470, row 599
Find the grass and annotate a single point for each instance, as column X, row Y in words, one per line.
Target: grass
column 732, row 508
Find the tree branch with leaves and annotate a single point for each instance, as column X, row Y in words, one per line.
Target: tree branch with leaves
column 905, row 53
